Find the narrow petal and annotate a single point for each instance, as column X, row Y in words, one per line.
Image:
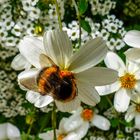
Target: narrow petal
column 20, row 63
column 31, row 48
column 113, row 61
column 73, row 122
column 58, row 47
column 107, row 76
column 107, row 89
column 28, row 79
column 133, row 54
column 87, row 93
column 12, row 131
column 132, row 38
column 121, row 100
column 137, row 121
column 92, row 53
column 100, row 122
column 129, row 116
column 68, row 106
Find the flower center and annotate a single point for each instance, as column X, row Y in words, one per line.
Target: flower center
column 87, row 114
column 138, row 108
column 61, row 136
column 57, row 83
column 128, row 81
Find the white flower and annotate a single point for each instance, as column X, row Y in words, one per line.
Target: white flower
column 86, row 117
column 132, row 38
column 9, row 131
column 134, row 111
column 71, row 78
column 128, row 81
column 75, row 134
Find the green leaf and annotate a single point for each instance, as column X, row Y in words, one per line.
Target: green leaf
column 114, row 122
column 85, row 25
column 83, row 5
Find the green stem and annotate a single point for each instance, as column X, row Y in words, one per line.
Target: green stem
column 58, row 14
column 29, row 130
column 79, row 20
column 54, row 121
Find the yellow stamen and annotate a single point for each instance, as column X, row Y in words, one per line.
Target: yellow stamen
column 87, row 114
column 138, row 108
column 128, row 81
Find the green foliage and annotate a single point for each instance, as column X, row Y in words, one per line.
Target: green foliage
column 82, row 5
column 85, row 25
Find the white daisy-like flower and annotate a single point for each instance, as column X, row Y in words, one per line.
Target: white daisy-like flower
column 61, row 76
column 128, row 81
column 9, row 131
column 87, row 117
column 62, row 134
column 132, row 38
column 134, row 111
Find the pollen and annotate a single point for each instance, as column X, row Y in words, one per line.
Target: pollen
column 87, row 114
column 65, row 73
column 138, row 108
column 61, row 136
column 128, row 81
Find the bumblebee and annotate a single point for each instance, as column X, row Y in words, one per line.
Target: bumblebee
column 60, row 84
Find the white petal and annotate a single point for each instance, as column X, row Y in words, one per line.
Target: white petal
column 37, row 99
column 68, row 106
column 130, row 113
column 133, row 54
column 107, row 89
column 28, row 79
column 31, row 48
column 132, row 67
column 132, row 38
column 20, row 63
column 113, row 61
column 82, row 130
column 88, row 56
column 87, row 93
column 48, row 135
column 136, row 97
column 137, row 121
column 43, row 101
column 101, row 122
column 121, row 100
column 32, row 96
column 73, row 122
column 58, row 47
column 12, row 131
column 71, row 136
column 107, row 76
column 61, row 125
column 137, row 86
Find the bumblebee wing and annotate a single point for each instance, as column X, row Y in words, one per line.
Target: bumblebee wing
column 45, row 61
